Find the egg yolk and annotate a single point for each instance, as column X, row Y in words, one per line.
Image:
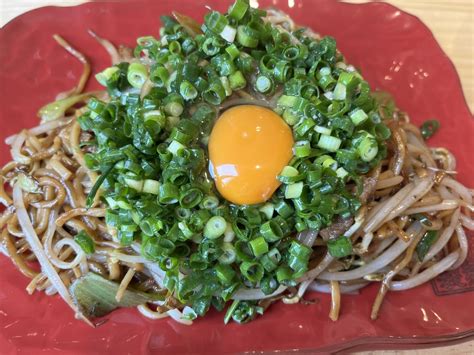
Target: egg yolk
column 248, row 148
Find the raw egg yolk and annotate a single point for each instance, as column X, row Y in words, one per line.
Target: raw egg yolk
column 248, row 148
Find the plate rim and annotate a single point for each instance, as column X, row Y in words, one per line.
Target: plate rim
column 360, row 343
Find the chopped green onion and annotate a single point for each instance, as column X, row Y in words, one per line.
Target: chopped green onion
column 146, row 41
column 238, row 9
column 252, row 271
column 107, row 75
column 230, row 311
column 304, row 127
column 267, row 209
column 210, row 46
column 282, row 71
column 168, row 193
column 284, row 275
column 382, row 131
column 223, row 64
column 215, row 94
column 428, row 128
column 225, row 273
column 329, row 143
column 150, row 226
column 425, row 244
column 341, row 172
column 327, row 162
column 247, row 36
column 174, row 147
column 283, row 209
column 367, row 148
column 271, row 231
column 134, row 184
column 174, row 47
column 327, row 82
column 264, row 84
column 340, row 247
column 228, row 255
column 289, row 171
column 243, row 251
column 302, row 149
column 215, row 227
column 174, row 108
column 271, row 260
column 323, row 130
column 290, row 117
column 159, row 76
column 137, row 74
column 215, row 21
column 241, row 228
column 294, row 190
column 358, row 116
column 210, row 202
column 155, row 116
column 85, row 242
column 171, row 121
column 259, row 246
column 237, row 80
column 325, row 71
column 268, row 285
column 226, row 85
column 191, row 197
column 289, row 101
column 229, row 233
column 299, row 255
column 228, row 33
column 187, row 91
column 233, row 51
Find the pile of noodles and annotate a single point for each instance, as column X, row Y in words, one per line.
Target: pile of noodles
column 44, row 190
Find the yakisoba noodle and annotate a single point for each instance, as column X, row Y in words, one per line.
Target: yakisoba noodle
column 46, row 185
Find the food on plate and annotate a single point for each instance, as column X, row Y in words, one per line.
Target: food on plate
column 233, row 163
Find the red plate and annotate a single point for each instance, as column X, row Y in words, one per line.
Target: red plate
column 395, row 52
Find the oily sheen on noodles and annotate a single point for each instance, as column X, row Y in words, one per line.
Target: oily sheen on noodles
column 64, row 229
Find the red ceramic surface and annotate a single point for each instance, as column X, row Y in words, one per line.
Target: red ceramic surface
column 395, row 52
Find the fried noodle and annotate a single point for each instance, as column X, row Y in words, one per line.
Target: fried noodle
column 45, row 186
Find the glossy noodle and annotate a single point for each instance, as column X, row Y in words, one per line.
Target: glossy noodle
column 411, row 195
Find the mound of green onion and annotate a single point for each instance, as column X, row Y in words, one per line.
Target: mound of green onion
column 152, row 155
